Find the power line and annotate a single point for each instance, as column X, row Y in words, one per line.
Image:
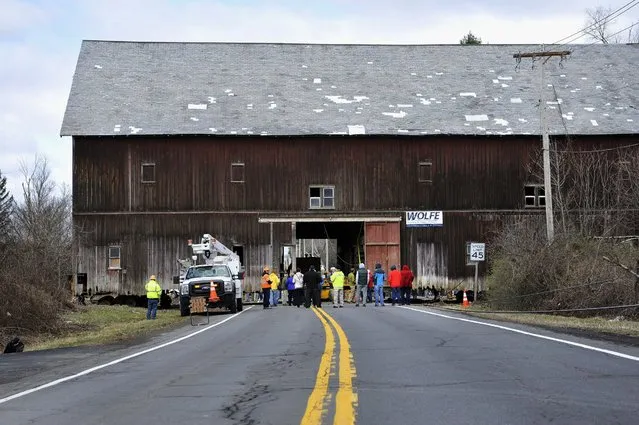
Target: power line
column 582, row 31
column 600, row 150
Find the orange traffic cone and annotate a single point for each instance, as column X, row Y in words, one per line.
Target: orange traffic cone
column 465, row 304
column 213, row 294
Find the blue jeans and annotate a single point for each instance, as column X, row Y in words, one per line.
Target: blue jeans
column 275, row 297
column 379, row 295
column 152, row 308
column 395, row 295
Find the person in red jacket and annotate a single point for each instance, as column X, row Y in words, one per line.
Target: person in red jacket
column 406, row 284
column 395, row 280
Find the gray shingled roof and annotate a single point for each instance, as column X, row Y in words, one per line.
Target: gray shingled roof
column 122, row 88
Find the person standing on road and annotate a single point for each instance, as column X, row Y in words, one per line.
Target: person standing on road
column 378, row 279
column 275, row 288
column 337, row 279
column 395, row 281
column 298, row 281
column 350, row 280
column 153, row 291
column 312, row 287
column 266, row 288
column 361, row 285
column 290, row 290
column 406, row 285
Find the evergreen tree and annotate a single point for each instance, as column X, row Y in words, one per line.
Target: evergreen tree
column 470, row 39
column 6, row 208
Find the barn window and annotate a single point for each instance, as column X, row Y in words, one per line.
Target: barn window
column 534, row 196
column 237, row 172
column 114, row 258
column 321, row 197
column 425, row 171
column 148, row 172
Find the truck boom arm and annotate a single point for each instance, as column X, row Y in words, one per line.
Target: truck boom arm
column 212, row 245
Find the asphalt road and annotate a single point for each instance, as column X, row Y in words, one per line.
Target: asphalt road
column 370, row 365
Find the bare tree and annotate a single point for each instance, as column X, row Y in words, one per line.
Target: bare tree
column 633, row 34
column 597, row 26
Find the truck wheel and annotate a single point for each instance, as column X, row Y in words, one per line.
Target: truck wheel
column 232, row 306
column 184, row 307
column 240, row 307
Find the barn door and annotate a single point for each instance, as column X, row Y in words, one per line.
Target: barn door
column 381, row 245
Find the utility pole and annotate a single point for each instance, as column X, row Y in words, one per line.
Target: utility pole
column 550, row 223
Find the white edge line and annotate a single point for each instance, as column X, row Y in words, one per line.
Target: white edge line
column 563, row 341
column 120, row 360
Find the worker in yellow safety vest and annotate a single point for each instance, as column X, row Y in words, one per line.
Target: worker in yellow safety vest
column 153, row 291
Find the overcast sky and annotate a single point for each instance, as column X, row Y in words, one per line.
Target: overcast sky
column 40, row 41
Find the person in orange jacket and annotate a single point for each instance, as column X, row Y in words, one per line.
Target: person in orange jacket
column 395, row 280
column 406, row 284
column 266, row 287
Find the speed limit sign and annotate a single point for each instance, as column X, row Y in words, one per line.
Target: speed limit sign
column 477, row 251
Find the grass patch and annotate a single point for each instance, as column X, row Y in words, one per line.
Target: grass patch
column 96, row 324
column 624, row 327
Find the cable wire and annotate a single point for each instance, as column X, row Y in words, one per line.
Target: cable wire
column 605, row 19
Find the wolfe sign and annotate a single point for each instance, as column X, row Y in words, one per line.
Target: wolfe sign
column 424, row 218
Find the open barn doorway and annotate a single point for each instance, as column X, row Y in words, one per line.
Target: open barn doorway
column 334, row 244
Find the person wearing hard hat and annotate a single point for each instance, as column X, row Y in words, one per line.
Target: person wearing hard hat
column 337, row 279
column 153, row 291
column 275, row 288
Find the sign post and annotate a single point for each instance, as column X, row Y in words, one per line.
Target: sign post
column 477, row 254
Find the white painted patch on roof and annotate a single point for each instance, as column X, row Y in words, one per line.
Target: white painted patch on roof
column 318, row 110
column 212, row 100
column 552, row 107
column 370, row 62
column 318, row 89
column 568, row 117
column 249, row 132
column 270, row 95
column 481, row 128
column 594, row 123
column 424, row 101
column 630, row 120
column 620, row 108
column 117, row 128
column 231, row 94
column 495, row 81
column 589, row 109
column 554, row 102
column 523, row 120
column 482, row 117
column 608, row 104
column 399, row 130
column 468, row 94
column 333, row 87
column 194, row 119
column 515, row 100
column 233, row 132
column 437, row 130
column 563, row 75
column 429, row 76
column 358, row 112
column 418, row 95
column 317, row 81
column 439, row 73
column 272, row 106
column 197, row 106
column 606, row 115
column 98, row 66
column 244, row 128
column 341, row 133
column 432, row 99
column 505, row 85
column 263, row 133
column 356, row 129
column 549, row 85
column 502, row 122
column 304, row 79
column 249, row 106
column 413, row 74
column 404, row 105
column 491, row 70
column 599, row 87
column 304, row 66
column 467, row 124
column 340, row 99
column 213, row 130
column 504, row 78
column 584, row 78
column 134, row 130
column 228, row 91
column 453, row 98
column 400, row 114
column 360, row 108
column 495, row 99
column 340, row 110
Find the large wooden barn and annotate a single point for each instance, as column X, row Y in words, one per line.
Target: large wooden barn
column 264, row 144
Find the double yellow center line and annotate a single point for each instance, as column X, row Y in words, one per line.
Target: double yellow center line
column 346, row 398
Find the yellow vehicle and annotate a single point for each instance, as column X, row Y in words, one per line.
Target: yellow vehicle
column 327, row 294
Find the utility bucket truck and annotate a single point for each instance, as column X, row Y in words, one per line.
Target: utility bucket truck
column 213, row 265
